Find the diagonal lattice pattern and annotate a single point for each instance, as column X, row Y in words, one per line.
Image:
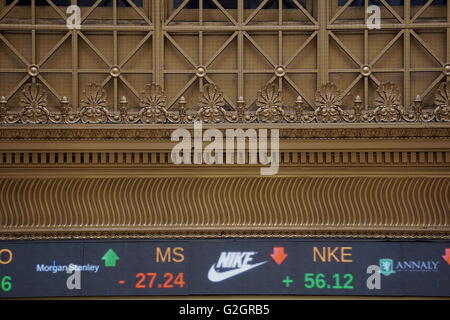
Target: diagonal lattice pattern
column 299, row 45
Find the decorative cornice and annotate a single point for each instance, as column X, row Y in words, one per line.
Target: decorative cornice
column 293, row 205
column 328, row 108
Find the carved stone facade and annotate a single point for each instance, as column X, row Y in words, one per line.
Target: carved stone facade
column 86, row 118
column 328, row 108
column 118, row 181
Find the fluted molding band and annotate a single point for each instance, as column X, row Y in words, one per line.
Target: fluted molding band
column 240, row 205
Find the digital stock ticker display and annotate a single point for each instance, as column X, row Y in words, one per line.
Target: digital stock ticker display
column 224, row 267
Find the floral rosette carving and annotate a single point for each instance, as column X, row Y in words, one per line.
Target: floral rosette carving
column 153, row 104
column 211, row 105
column 328, row 102
column 442, row 101
column 387, row 102
column 94, row 105
column 269, row 104
column 34, row 104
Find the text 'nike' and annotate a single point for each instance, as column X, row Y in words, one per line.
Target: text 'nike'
column 234, row 262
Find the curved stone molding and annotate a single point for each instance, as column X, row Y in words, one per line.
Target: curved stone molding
column 325, row 205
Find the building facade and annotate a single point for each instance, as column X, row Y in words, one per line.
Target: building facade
column 87, row 115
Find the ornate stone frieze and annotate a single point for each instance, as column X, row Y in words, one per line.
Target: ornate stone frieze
column 130, row 132
column 213, row 108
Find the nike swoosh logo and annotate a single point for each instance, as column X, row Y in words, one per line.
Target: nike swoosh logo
column 215, row 276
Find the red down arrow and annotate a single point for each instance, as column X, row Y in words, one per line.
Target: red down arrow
column 446, row 257
column 278, row 255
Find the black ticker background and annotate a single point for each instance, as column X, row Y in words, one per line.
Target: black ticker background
column 139, row 256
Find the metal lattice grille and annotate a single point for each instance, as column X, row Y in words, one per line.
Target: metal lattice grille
column 113, row 48
column 412, row 49
column 183, row 45
column 252, row 47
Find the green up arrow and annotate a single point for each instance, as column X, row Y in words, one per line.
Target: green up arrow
column 110, row 258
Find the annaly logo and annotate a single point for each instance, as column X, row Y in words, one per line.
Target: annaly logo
column 388, row 266
column 234, row 263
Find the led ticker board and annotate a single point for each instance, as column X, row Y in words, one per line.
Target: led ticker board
column 224, row 267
